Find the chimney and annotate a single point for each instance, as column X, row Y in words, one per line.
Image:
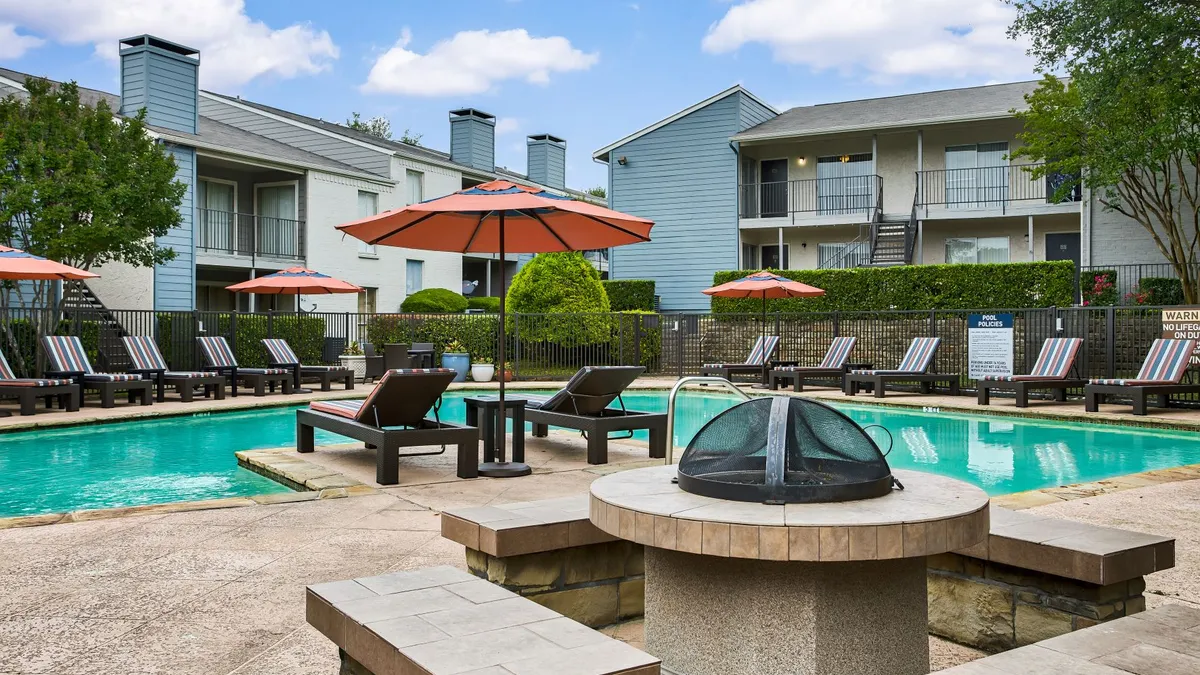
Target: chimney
column 473, row 138
column 547, row 160
column 161, row 77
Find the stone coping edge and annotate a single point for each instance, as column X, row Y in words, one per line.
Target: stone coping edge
column 1017, row 501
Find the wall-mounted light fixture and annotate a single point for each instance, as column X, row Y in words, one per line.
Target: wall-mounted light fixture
column 845, row 159
column 622, row 160
column 801, row 161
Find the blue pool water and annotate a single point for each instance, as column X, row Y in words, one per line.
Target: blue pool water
column 188, row 458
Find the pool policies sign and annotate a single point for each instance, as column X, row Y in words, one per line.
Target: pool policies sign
column 989, row 345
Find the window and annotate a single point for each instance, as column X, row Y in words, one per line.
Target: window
column 770, row 257
column 366, row 300
column 414, row 276
column 277, row 213
column 976, row 175
column 749, row 256
column 368, row 205
column 218, row 205
column 414, row 183
column 843, row 255
column 977, row 250
column 749, row 189
column 845, row 184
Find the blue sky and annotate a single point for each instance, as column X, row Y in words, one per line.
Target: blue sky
column 588, row 71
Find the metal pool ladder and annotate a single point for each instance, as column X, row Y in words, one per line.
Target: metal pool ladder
column 684, row 381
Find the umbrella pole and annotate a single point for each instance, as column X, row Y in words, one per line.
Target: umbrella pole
column 502, row 468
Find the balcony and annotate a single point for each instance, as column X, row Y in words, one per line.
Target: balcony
column 996, row 190
column 814, row 201
column 247, row 235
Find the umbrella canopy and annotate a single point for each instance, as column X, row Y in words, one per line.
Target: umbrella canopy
column 17, row 264
column 764, row 285
column 470, row 221
column 295, row 281
column 501, row 217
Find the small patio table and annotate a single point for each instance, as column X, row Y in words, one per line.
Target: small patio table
column 489, row 406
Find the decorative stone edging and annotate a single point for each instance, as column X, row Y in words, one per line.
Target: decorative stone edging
column 1065, row 493
column 282, row 465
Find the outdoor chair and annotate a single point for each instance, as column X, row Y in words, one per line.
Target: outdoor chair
column 219, row 359
column 1161, row 375
column 69, row 360
column 423, row 353
column 914, row 367
column 832, row 367
column 373, row 366
column 395, row 357
column 583, row 405
column 1054, row 363
column 281, row 354
column 148, row 362
column 755, row 363
column 391, row 417
column 27, row 390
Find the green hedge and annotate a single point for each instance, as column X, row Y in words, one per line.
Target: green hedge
column 909, row 287
column 487, row 303
column 630, row 294
column 434, row 301
column 476, row 332
column 1098, row 287
column 21, row 344
column 1159, row 291
column 623, row 340
column 305, row 334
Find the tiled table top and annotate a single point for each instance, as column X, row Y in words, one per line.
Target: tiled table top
column 443, row 621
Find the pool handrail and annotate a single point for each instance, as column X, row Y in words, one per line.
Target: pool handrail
column 684, row 381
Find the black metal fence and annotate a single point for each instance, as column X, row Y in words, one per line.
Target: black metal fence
column 1126, row 282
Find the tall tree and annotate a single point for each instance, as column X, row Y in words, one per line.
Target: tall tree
column 378, row 126
column 80, row 186
column 1127, row 123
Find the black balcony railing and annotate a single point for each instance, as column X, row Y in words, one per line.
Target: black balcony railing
column 816, row 196
column 989, row 187
column 250, row 235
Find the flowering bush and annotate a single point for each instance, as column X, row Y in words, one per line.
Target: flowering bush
column 1099, row 288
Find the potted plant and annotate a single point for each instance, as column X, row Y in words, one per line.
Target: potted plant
column 352, row 357
column 482, row 368
column 457, row 359
column 508, row 371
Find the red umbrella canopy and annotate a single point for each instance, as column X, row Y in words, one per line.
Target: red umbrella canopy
column 468, row 221
column 295, row 281
column 17, row 264
column 764, row 285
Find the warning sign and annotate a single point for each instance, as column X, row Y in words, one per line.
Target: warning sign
column 989, row 345
column 1183, row 323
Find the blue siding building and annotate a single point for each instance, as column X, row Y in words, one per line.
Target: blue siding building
column 682, row 173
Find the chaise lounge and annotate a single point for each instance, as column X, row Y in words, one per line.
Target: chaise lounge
column 219, row 358
column 1054, row 363
column 148, row 362
column 281, row 355
column 913, row 368
column 832, row 367
column 583, row 405
column 69, row 360
column 393, row 417
column 755, row 363
column 27, row 390
column 1161, row 375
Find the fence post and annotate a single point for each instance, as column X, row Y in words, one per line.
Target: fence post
column 516, row 348
column 932, row 323
column 1110, row 341
column 837, row 323
column 679, row 341
column 637, row 339
column 270, row 323
column 233, row 331
column 347, row 333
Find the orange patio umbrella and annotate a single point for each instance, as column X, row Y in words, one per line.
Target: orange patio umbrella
column 17, row 264
column 501, row 217
column 295, row 281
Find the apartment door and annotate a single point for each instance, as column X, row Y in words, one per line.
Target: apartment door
column 1063, row 246
column 844, row 184
column 770, row 257
column 976, row 175
column 217, row 202
column 773, row 190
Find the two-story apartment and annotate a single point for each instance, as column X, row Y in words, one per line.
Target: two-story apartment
column 920, row 178
column 267, row 186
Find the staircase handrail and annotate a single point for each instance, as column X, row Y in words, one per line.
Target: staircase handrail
column 850, row 250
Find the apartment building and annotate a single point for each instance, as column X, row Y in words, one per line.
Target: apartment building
column 266, row 187
column 923, row 178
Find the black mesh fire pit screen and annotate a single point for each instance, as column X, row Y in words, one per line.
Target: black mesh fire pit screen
column 784, row 450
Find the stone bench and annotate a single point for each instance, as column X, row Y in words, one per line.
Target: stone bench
column 1163, row 641
column 1034, row 577
column 443, row 621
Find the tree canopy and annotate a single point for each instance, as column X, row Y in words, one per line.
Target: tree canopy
column 378, row 126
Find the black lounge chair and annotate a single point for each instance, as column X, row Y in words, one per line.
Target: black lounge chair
column 755, row 364
column 913, row 368
column 282, row 356
column 583, row 405
column 218, row 358
column 832, row 367
column 27, row 390
column 148, row 362
column 1161, row 375
column 1054, row 363
column 391, row 417
column 69, row 360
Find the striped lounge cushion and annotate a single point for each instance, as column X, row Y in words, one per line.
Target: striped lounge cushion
column 263, row 371
column 999, row 378
column 217, row 352
column 839, row 352
column 1128, row 383
column 32, row 382
column 794, row 369
column 408, row 371
column 111, row 377
column 280, row 352
column 144, row 353
column 320, row 369
column 66, row 354
column 347, row 409
column 187, row 373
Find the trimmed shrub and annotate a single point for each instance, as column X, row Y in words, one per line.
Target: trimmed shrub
column 434, row 301
column 487, row 303
column 909, row 287
column 21, row 345
column 555, row 284
column 305, row 334
column 625, row 343
column 630, row 294
column 1098, row 287
column 478, row 334
column 1158, row 291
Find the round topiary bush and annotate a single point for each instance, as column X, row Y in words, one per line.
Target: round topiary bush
column 560, row 284
column 434, row 301
column 487, row 303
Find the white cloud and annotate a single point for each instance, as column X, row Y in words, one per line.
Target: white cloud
column 884, row 38
column 234, row 48
column 473, row 62
column 507, row 125
column 14, row 45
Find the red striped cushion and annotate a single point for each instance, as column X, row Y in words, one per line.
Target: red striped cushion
column 111, row 377
column 264, row 371
column 185, row 373
column 347, row 409
column 30, row 382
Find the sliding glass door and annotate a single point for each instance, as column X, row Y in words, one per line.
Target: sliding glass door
column 277, row 219
column 976, row 175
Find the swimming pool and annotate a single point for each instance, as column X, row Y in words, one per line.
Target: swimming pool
column 188, row 458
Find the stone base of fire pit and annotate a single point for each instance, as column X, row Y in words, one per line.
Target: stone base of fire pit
column 717, row 616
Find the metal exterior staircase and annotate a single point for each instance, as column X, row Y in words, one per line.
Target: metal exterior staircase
column 81, row 305
column 890, row 244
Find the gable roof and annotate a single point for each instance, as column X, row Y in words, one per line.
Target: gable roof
column 735, row 89
column 946, row 106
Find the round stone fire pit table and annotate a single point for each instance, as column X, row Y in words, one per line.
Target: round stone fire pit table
column 808, row 589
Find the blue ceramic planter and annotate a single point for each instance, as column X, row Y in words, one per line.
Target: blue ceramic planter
column 460, row 363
